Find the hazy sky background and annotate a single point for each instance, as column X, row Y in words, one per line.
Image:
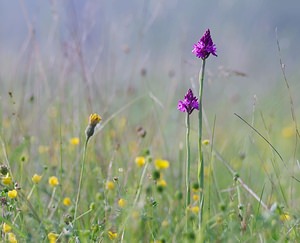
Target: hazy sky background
column 119, row 38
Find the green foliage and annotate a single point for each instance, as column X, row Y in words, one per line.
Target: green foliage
column 136, row 206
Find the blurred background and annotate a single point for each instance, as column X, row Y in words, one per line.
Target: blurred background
column 131, row 61
column 96, row 55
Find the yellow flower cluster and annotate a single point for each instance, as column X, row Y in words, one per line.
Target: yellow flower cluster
column 12, row 238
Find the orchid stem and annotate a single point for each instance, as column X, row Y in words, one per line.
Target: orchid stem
column 201, row 160
column 188, row 165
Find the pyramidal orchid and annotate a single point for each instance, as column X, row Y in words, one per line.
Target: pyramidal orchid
column 202, row 49
column 189, row 103
column 205, row 46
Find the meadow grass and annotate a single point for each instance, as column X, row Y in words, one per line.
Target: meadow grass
column 251, row 194
column 128, row 183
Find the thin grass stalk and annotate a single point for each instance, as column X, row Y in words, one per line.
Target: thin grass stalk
column 240, row 205
column 85, row 213
column 60, row 151
column 201, row 160
column 52, row 198
column 237, row 178
column 187, row 169
column 80, row 182
column 137, row 196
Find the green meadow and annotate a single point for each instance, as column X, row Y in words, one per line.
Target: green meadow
column 126, row 180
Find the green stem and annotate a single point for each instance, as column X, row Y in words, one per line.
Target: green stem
column 80, row 182
column 52, row 198
column 240, row 207
column 85, row 213
column 201, row 161
column 140, row 185
column 187, row 168
column 61, row 152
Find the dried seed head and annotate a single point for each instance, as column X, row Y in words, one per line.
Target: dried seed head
column 141, row 132
column 4, row 169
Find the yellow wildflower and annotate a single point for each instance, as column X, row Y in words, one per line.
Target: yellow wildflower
column 67, row 201
column 161, row 164
column 110, row 185
column 74, row 141
column 122, row 202
column 112, row 235
column 6, row 228
column 36, row 178
column 133, row 147
column 288, row 132
column 52, row 237
column 53, row 181
column 219, row 220
column 12, row 194
column 285, row 217
column 161, row 182
column 12, row 238
column 94, row 119
column 195, row 209
column 165, row 223
column 122, row 123
column 43, row 149
column 140, row 161
column 135, row 215
column 207, row 171
column 205, row 142
column 195, row 197
column 7, row 180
